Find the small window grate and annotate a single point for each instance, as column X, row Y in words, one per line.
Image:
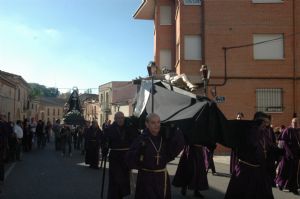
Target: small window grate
column 269, row 99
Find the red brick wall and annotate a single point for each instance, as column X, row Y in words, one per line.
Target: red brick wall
column 232, row 23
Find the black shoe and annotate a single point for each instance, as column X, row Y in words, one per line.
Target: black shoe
column 183, row 191
column 198, row 194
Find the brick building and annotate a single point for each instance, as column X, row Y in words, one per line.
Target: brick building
column 251, row 47
column 116, row 96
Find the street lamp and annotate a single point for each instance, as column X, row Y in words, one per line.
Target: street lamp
column 205, row 74
column 152, row 68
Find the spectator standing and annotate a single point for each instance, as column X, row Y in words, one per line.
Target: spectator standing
column 19, row 135
column 48, row 129
column 40, row 134
column 79, row 143
column 32, row 127
column 26, row 135
column 66, row 140
column 56, row 129
column 12, row 142
column 3, row 147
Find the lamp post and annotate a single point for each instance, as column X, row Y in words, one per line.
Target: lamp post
column 204, row 71
column 152, row 71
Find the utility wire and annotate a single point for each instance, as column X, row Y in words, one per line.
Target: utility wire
column 257, row 43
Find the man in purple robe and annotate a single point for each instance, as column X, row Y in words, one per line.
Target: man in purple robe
column 191, row 171
column 233, row 157
column 118, row 137
column 288, row 168
column 150, row 154
column 272, row 152
column 249, row 179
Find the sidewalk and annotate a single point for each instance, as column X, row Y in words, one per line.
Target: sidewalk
column 224, row 159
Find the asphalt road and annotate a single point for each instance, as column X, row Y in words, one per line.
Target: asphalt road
column 45, row 174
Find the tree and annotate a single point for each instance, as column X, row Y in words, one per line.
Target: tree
column 41, row 90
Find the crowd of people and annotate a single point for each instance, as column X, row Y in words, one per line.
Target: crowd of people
column 268, row 157
column 263, row 160
column 18, row 137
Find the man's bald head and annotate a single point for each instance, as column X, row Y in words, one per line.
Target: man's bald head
column 295, row 122
column 153, row 123
column 120, row 118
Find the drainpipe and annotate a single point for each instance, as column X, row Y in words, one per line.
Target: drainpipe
column 225, row 68
column 203, row 31
column 294, row 60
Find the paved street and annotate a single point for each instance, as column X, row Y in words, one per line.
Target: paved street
column 45, row 174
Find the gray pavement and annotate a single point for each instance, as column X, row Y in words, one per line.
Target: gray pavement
column 45, row 174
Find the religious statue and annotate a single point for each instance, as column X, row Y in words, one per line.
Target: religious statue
column 73, row 101
column 181, row 80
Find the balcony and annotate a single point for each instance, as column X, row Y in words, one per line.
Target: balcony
column 105, row 107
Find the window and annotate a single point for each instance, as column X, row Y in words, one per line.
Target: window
column 270, row 49
column 101, row 98
column 165, row 15
column 53, row 111
column 106, row 98
column 19, row 94
column 269, row 99
column 192, row 2
column 57, row 111
column 192, row 47
column 267, row 1
column 48, row 111
column 165, row 58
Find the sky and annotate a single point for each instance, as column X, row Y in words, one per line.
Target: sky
column 68, row 43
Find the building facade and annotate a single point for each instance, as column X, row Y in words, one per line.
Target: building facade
column 90, row 107
column 15, row 99
column 7, row 97
column 49, row 109
column 116, row 96
column 251, row 48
